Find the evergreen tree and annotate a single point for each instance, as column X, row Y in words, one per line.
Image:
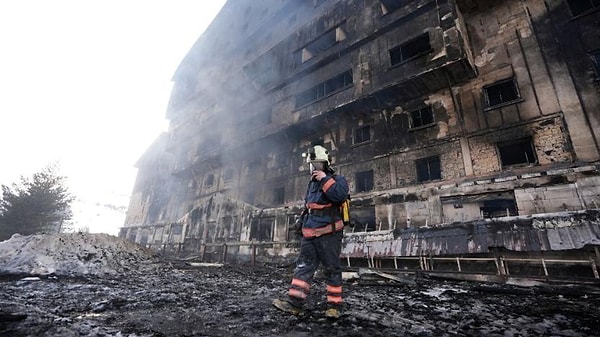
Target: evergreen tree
column 41, row 204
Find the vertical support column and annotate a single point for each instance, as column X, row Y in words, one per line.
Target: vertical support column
column 500, row 266
column 593, row 263
column 466, row 154
column 224, row 252
column 544, row 265
column 431, row 266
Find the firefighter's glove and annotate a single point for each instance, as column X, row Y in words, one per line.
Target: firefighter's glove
column 298, row 225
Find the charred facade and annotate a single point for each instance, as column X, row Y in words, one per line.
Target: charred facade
column 452, row 121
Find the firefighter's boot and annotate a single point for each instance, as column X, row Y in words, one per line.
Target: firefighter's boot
column 333, row 313
column 287, row 307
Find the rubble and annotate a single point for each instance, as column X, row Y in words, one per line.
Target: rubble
column 73, row 254
column 127, row 291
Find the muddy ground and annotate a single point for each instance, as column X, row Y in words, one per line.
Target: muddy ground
column 235, row 300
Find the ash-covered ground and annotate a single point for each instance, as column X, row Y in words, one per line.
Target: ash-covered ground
column 99, row 285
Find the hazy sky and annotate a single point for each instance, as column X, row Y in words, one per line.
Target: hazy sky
column 86, row 84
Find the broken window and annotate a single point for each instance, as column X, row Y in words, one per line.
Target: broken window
column 261, row 229
column 581, row 6
column 429, row 169
column 279, row 195
column 498, row 208
column 421, row 117
column 501, row 93
column 466, row 207
column 517, row 152
column 364, row 219
column 319, row 45
column 409, row 50
column 400, row 123
column 364, row 181
column 332, row 85
column 388, row 6
column 362, row 134
column 209, row 180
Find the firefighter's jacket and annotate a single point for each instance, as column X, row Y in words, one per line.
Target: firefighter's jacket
column 323, row 200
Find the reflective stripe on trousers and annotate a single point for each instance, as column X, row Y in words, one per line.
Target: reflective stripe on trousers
column 299, row 289
column 334, row 294
column 313, row 252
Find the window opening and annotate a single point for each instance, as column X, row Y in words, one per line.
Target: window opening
column 362, row 134
column 364, row 218
column 324, row 89
column 581, row 6
column 501, row 93
column 364, row 181
column 428, row 169
column 400, row 124
column 261, row 229
column 421, row 117
column 410, row 50
column 517, row 152
column 279, row 195
column 319, row 45
column 388, row 6
column 497, row 208
column 209, row 180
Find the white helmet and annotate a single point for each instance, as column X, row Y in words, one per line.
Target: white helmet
column 317, row 153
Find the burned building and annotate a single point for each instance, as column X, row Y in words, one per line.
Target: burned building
column 462, row 127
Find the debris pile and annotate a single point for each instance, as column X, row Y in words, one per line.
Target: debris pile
column 73, row 254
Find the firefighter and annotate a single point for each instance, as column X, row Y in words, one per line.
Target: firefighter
column 322, row 232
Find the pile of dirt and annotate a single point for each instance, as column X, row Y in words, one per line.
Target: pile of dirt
column 73, row 254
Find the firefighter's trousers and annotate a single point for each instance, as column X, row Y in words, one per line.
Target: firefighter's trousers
column 323, row 250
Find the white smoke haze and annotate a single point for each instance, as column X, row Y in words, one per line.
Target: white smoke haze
column 86, row 84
